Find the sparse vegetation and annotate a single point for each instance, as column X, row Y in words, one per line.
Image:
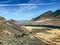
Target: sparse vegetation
column 34, row 32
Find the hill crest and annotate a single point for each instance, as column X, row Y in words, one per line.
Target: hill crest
column 48, row 15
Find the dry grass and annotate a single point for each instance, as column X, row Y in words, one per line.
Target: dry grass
column 46, row 35
column 28, row 35
column 51, row 36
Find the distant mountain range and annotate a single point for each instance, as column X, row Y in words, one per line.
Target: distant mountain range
column 48, row 15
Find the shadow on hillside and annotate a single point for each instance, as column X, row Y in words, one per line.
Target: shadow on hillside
column 49, row 26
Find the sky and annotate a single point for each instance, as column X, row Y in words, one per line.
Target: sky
column 26, row 9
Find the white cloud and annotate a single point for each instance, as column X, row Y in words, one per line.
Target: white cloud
column 3, row 11
column 25, row 4
column 30, row 7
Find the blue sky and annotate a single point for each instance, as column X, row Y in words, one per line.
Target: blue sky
column 26, row 9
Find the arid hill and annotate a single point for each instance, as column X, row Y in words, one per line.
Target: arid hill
column 12, row 34
column 39, row 31
column 48, row 15
column 48, row 18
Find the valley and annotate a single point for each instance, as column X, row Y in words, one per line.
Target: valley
column 43, row 30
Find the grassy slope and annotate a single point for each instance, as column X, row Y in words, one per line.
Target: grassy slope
column 45, row 35
column 13, row 34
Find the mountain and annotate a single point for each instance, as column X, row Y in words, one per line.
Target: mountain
column 33, row 32
column 48, row 15
column 12, row 34
column 2, row 18
column 47, row 18
column 15, row 34
column 56, row 14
